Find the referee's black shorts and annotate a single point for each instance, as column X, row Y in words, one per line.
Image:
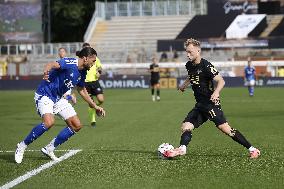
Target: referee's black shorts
column 94, row 88
column 154, row 81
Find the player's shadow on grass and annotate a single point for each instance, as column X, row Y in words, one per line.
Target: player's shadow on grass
column 216, row 155
column 8, row 157
column 125, row 151
column 153, row 154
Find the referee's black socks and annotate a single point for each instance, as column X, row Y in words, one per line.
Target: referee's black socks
column 158, row 92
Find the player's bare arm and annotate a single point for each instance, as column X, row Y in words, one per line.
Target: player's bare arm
column 83, row 92
column 48, row 67
column 220, row 84
column 185, row 84
column 74, row 99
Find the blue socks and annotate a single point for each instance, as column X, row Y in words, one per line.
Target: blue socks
column 36, row 132
column 63, row 136
column 251, row 91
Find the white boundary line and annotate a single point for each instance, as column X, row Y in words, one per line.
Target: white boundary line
column 11, row 151
column 38, row 170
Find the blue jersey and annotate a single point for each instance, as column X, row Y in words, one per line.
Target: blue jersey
column 63, row 79
column 250, row 73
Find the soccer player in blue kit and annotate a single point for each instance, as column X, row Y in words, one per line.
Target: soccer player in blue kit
column 59, row 77
column 250, row 78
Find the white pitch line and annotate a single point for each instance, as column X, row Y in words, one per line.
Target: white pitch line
column 11, row 151
column 38, row 170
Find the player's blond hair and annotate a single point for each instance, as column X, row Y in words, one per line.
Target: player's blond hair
column 62, row 48
column 192, row 41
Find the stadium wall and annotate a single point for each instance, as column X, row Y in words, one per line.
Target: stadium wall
column 131, row 81
column 271, row 43
column 206, row 26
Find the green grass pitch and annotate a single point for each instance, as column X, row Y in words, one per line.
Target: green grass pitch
column 121, row 151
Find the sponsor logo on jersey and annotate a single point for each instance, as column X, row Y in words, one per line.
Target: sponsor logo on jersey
column 71, row 61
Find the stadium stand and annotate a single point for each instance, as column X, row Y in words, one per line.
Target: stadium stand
column 136, row 29
column 136, row 32
column 133, row 32
column 273, row 22
column 128, row 31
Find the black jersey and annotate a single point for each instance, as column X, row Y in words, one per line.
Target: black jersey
column 201, row 79
column 155, row 71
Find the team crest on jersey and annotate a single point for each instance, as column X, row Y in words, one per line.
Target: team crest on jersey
column 72, row 74
column 199, row 71
column 68, row 84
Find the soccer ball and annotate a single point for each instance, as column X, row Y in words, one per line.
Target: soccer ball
column 162, row 148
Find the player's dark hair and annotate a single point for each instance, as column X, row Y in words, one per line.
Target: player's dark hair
column 86, row 45
column 83, row 46
column 85, row 52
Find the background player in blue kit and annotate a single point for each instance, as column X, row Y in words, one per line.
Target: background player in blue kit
column 250, row 77
column 59, row 77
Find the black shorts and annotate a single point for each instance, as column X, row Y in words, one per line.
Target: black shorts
column 202, row 112
column 94, row 88
column 154, row 81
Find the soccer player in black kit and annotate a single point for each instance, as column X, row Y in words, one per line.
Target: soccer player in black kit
column 155, row 79
column 201, row 75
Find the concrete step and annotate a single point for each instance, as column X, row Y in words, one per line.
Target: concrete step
column 147, row 18
column 272, row 21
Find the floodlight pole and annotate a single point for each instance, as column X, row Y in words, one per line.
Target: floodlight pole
column 49, row 22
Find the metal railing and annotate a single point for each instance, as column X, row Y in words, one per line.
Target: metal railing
column 39, row 49
column 107, row 10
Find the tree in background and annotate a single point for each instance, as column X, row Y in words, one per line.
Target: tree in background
column 70, row 19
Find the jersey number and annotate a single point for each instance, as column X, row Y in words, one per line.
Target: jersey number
column 212, row 113
column 194, row 79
